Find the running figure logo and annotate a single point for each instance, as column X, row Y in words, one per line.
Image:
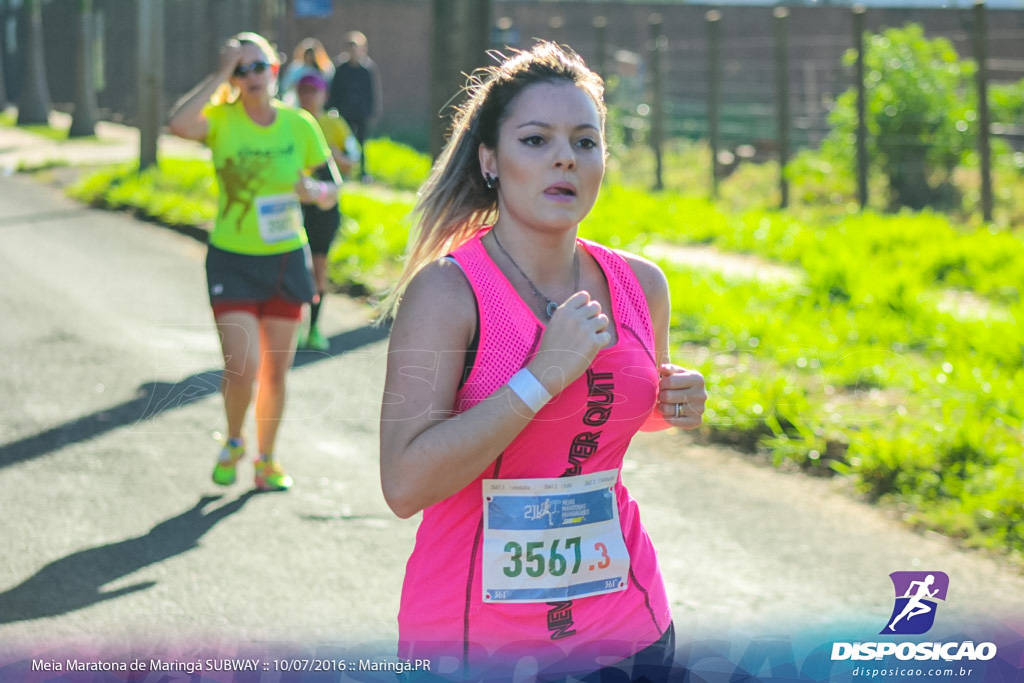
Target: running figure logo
column 916, row 596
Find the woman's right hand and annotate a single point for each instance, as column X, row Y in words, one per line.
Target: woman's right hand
column 576, row 332
column 230, row 55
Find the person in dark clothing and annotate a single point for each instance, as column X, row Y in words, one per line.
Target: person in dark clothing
column 355, row 92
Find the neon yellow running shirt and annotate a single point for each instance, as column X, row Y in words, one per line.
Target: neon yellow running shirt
column 258, row 211
column 335, row 130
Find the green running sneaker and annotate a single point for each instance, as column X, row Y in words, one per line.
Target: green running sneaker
column 270, row 476
column 316, row 341
column 224, row 470
column 303, row 338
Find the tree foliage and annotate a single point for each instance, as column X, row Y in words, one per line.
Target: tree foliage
column 1006, row 102
column 921, row 111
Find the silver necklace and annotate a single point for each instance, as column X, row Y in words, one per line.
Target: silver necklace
column 550, row 305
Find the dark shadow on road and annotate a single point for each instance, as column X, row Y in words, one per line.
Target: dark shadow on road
column 155, row 398
column 76, row 581
column 41, row 217
column 340, row 343
column 152, row 399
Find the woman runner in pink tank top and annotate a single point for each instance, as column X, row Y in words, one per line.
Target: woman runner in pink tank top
column 522, row 361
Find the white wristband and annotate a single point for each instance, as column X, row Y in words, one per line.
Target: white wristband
column 529, row 389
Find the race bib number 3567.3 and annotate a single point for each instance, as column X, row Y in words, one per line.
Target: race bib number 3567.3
column 552, row 539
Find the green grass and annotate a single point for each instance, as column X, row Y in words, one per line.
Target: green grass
column 396, row 165
column 10, row 120
column 896, row 359
column 178, row 193
column 366, row 255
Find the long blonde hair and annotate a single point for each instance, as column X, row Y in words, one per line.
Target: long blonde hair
column 228, row 93
column 320, row 56
column 455, row 203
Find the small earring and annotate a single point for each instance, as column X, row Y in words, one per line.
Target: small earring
column 490, row 181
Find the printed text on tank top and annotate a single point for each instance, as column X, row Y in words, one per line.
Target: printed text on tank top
column 574, row 435
column 600, row 398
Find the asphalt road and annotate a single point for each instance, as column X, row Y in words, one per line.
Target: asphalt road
column 114, row 537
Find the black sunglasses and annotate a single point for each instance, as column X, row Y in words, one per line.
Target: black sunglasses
column 255, row 67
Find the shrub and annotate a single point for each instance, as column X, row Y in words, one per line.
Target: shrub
column 921, row 114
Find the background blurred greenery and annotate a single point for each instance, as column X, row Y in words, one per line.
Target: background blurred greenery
column 881, row 347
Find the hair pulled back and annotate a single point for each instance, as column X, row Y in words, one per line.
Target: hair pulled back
column 454, row 202
column 227, row 93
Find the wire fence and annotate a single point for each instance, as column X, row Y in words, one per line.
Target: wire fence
column 768, row 93
column 718, row 81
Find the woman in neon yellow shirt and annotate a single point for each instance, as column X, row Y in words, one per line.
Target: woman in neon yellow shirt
column 269, row 159
column 322, row 226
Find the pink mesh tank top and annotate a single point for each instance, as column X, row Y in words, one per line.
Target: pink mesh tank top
column 585, row 429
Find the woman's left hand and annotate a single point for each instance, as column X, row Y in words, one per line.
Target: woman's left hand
column 308, row 189
column 681, row 396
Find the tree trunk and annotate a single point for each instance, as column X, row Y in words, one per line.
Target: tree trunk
column 3, row 86
column 83, row 121
column 34, row 102
column 4, row 101
column 908, row 180
column 460, row 41
column 150, row 79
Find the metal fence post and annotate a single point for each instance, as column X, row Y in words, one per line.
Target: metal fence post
column 862, row 124
column 713, row 17
column 981, row 79
column 600, row 25
column 781, row 15
column 657, row 47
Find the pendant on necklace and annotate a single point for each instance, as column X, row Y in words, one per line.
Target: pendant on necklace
column 552, row 306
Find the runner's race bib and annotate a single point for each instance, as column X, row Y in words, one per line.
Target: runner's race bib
column 552, row 539
column 280, row 217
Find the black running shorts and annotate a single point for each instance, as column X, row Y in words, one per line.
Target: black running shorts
column 241, row 278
